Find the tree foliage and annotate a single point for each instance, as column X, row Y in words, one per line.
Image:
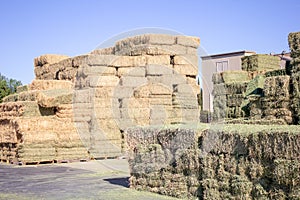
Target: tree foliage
column 8, row 86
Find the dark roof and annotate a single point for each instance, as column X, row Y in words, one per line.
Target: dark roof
column 228, row 54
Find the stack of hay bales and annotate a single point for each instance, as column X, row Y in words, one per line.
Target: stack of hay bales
column 276, row 100
column 37, row 125
column 237, row 94
column 244, row 158
column 257, row 65
column 54, row 67
column 294, row 43
column 164, row 161
column 229, row 89
column 143, row 80
column 260, row 62
column 252, row 102
column 220, row 162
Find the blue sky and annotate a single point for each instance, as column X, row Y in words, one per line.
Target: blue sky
column 31, row 28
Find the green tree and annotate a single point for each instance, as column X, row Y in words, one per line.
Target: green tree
column 8, row 86
column 13, row 84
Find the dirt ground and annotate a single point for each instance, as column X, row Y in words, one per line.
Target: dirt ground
column 104, row 179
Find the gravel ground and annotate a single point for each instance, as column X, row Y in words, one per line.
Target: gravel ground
column 104, row 179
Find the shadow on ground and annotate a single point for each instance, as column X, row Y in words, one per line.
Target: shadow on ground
column 124, row 182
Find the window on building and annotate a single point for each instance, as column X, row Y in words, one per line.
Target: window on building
column 222, row 66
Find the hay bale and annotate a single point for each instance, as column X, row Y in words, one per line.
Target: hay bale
column 295, row 96
column 11, row 98
column 260, row 62
column 245, row 61
column 234, row 112
column 276, row 100
column 220, row 106
column 48, row 59
column 294, row 44
column 36, row 152
column 230, row 88
column 255, row 86
column 163, row 160
column 217, row 78
column 19, row 109
column 9, row 131
column 241, row 187
column 236, row 88
column 279, row 72
column 105, row 51
column 219, row 89
column 267, row 103
column 235, row 100
column 254, row 106
column 50, row 85
column 277, row 87
column 54, row 98
column 235, row 76
column 22, row 88
column 286, row 172
column 28, row 96
column 228, row 98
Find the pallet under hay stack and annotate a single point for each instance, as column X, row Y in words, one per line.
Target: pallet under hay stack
column 83, row 104
column 294, row 43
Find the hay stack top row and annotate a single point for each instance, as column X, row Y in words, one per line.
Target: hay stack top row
column 260, row 62
column 142, row 50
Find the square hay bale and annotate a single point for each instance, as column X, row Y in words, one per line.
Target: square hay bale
column 235, row 76
column 105, row 51
column 294, row 44
column 274, row 103
column 245, row 61
column 234, row 112
column 220, row 106
column 11, row 98
column 278, row 72
column 277, row 86
column 286, row 172
column 217, row 78
column 259, row 62
column 53, row 98
column 236, row 88
column 235, row 100
column 50, row 84
column 48, row 59
column 71, row 153
column 220, row 89
column 28, row 96
column 22, row 88
column 295, row 84
column 255, row 86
